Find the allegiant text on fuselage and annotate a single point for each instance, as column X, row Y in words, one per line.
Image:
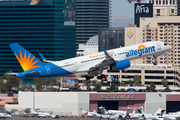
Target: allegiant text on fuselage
column 140, row 52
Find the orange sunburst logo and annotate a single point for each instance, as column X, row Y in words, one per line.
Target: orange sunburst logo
column 26, row 63
column 141, row 46
column 107, row 56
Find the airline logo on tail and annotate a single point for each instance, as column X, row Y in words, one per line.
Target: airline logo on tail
column 25, row 58
column 142, row 49
column 27, row 62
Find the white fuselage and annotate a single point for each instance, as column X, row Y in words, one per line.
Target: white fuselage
column 83, row 63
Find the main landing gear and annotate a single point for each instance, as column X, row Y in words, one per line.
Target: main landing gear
column 101, row 76
column 89, row 77
column 155, row 60
column 98, row 77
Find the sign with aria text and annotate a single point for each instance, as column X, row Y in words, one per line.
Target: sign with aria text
column 142, row 10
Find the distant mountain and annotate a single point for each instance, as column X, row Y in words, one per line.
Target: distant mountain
column 121, row 21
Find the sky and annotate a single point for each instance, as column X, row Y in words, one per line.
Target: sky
column 123, row 8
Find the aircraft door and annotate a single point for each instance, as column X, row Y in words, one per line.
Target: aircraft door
column 158, row 46
column 76, row 64
column 47, row 69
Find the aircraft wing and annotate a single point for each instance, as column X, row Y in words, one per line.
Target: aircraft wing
column 100, row 67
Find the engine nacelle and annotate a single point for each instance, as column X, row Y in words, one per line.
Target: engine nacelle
column 120, row 65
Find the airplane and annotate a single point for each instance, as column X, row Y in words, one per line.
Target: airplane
column 3, row 116
column 40, row 114
column 89, row 114
column 94, row 64
column 134, row 115
column 150, row 116
column 113, row 114
column 138, row 1
column 116, row 112
column 170, row 116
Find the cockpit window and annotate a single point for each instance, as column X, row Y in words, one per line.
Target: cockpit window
column 165, row 44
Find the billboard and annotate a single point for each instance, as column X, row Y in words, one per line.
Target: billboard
column 26, row 2
column 111, row 78
column 69, row 83
column 142, row 10
column 69, row 12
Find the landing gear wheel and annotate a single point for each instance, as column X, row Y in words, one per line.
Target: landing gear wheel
column 101, row 76
column 155, row 60
column 89, row 77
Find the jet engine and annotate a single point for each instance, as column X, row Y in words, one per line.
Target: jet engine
column 120, row 65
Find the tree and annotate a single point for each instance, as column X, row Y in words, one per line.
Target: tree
column 59, row 85
column 9, row 84
column 15, row 100
column 93, row 82
column 137, row 80
column 167, row 89
column 151, row 88
column 112, row 88
column 122, row 90
column 38, row 83
column 97, row 87
column 77, row 89
column 164, row 82
column 88, row 85
column 131, row 82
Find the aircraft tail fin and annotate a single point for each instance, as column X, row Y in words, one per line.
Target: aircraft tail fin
column 32, row 111
column 25, row 58
column 83, row 111
column 133, row 112
column 127, row 112
column 141, row 109
column 95, row 111
column 158, row 112
column 162, row 112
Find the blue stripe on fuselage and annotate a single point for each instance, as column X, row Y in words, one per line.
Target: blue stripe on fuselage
column 47, row 70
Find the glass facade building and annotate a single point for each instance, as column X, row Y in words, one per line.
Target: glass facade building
column 45, row 27
column 90, row 16
column 110, row 38
column 178, row 7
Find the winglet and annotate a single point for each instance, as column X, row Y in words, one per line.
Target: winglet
column 42, row 57
column 107, row 55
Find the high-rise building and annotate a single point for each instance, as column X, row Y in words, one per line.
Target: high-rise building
column 110, row 38
column 178, row 7
column 90, row 16
column 164, row 7
column 47, row 27
column 162, row 28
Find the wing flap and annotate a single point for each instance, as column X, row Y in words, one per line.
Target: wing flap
column 100, row 67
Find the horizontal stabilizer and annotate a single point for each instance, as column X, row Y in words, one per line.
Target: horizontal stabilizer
column 12, row 74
